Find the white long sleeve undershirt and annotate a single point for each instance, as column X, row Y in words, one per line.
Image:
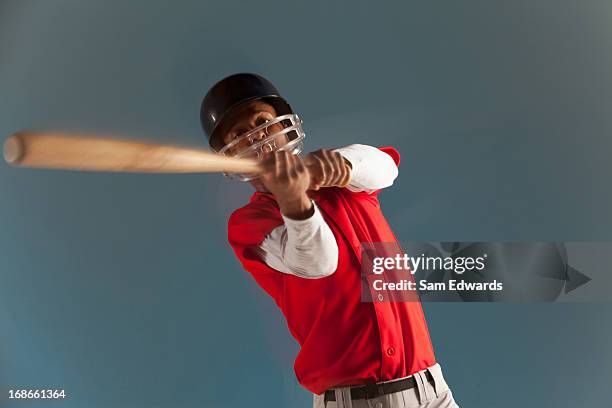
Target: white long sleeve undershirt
column 307, row 248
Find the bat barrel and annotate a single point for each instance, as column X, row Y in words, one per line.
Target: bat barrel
column 13, row 149
column 87, row 153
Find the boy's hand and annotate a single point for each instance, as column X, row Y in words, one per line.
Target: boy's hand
column 287, row 177
column 327, row 168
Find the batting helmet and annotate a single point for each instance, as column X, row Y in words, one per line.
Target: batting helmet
column 227, row 94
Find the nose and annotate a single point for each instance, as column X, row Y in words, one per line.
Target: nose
column 257, row 135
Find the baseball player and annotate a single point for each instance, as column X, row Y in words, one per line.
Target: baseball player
column 299, row 236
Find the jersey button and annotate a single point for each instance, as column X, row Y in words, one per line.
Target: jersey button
column 390, row 351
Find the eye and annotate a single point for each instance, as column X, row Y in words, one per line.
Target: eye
column 261, row 120
column 238, row 131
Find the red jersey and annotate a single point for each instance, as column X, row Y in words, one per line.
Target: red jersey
column 344, row 340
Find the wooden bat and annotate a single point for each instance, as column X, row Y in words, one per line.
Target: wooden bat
column 88, row 153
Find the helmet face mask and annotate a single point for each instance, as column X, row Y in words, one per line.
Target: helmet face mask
column 281, row 133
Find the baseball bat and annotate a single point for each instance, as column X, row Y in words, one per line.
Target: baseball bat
column 89, row 153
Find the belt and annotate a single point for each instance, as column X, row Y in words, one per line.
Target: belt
column 378, row 389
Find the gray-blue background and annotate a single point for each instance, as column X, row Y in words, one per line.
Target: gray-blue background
column 122, row 289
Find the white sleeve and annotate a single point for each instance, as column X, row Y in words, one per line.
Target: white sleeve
column 306, row 248
column 373, row 169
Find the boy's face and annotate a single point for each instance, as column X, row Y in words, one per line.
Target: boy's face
column 247, row 117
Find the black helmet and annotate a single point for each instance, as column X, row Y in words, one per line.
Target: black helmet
column 227, row 94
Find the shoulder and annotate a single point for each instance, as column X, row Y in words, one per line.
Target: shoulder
column 251, row 223
column 391, row 151
column 257, row 207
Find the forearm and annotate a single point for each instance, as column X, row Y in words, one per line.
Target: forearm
column 298, row 207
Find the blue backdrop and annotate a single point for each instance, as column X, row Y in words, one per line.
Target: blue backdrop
column 122, row 288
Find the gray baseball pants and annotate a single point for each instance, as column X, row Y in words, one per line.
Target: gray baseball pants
column 426, row 394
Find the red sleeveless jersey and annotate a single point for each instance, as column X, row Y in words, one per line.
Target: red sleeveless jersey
column 344, row 341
